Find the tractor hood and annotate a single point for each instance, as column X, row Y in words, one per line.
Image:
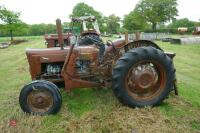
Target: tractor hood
column 57, row 50
column 37, row 57
column 55, row 54
column 54, row 50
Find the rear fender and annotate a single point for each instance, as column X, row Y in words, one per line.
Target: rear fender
column 120, row 44
column 142, row 43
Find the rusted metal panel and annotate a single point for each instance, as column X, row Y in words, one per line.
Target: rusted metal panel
column 52, row 40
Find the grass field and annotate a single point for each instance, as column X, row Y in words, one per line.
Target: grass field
column 93, row 110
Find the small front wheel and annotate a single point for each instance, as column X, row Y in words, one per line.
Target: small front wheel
column 40, row 97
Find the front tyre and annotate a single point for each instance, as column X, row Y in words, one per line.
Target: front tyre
column 40, row 97
column 143, row 77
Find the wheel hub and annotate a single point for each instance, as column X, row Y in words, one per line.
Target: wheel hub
column 40, row 101
column 142, row 78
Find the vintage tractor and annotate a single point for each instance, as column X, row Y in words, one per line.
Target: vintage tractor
column 85, row 26
column 140, row 73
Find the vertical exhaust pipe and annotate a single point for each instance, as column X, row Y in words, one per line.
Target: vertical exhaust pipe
column 59, row 31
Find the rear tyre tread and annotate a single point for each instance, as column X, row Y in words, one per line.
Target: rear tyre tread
column 142, row 52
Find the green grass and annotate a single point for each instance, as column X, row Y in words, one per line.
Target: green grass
column 94, row 110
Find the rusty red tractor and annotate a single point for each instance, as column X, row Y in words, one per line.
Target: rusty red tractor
column 139, row 72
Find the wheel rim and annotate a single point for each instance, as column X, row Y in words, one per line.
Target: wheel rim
column 40, row 101
column 145, row 80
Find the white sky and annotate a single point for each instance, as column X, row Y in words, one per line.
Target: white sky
column 46, row 11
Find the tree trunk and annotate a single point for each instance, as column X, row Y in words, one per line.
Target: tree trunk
column 11, row 36
column 154, row 26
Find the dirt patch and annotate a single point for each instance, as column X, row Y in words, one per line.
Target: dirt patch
column 16, row 42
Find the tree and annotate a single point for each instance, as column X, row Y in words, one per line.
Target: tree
column 82, row 9
column 157, row 11
column 10, row 20
column 134, row 21
column 41, row 29
column 112, row 23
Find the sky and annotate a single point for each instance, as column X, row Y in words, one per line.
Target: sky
column 46, row 11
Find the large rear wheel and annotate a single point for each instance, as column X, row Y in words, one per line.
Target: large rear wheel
column 143, row 77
